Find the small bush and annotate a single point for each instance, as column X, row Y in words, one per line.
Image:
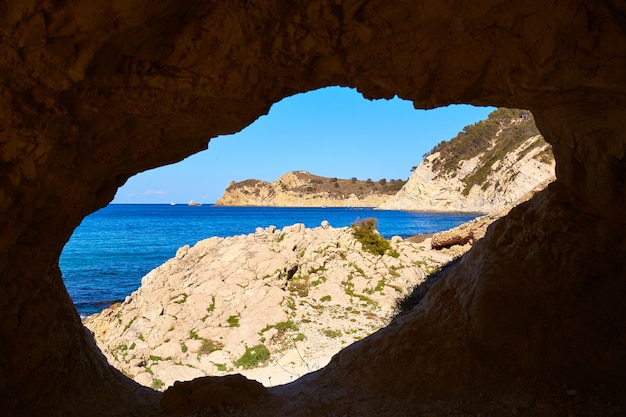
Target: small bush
column 233, row 321
column 211, row 306
column 266, row 328
column 286, row 325
column 157, row 384
column 130, row 323
column 253, row 357
column 299, row 285
column 365, row 232
column 332, row 334
column 209, row 346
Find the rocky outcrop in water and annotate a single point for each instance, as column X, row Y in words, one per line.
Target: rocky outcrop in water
column 296, row 295
column 302, row 189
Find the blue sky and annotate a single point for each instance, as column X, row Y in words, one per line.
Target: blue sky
column 332, row 132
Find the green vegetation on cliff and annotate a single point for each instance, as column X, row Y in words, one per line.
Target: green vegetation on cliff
column 491, row 139
column 333, row 187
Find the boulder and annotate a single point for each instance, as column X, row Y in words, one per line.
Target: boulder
column 207, row 393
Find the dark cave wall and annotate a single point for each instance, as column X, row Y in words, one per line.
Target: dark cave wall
column 94, row 92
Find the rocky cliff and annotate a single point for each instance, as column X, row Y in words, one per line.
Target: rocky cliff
column 302, row 189
column 296, row 295
column 487, row 167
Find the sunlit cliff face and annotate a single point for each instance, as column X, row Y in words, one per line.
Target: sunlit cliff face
column 94, row 92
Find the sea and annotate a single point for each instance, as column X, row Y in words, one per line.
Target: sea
column 113, row 248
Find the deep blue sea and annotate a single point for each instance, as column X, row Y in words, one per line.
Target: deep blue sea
column 115, row 247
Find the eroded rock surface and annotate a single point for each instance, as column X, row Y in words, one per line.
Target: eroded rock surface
column 466, row 234
column 302, row 294
column 94, row 92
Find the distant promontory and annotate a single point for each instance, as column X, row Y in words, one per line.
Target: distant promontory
column 303, row 189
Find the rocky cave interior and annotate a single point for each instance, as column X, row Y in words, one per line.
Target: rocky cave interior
column 94, row 92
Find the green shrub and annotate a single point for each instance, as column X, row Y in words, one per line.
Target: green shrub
column 209, row 346
column 332, row 334
column 157, row 384
column 130, row 323
column 299, row 285
column 211, row 306
column 266, row 328
column 365, row 232
column 253, row 357
column 233, row 321
column 286, row 325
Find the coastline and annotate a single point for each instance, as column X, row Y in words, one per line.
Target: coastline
column 301, row 293
column 114, row 248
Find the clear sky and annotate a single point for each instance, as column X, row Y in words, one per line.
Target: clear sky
column 332, row 132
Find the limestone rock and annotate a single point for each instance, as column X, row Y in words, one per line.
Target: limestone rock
column 297, row 291
column 492, row 177
column 470, row 232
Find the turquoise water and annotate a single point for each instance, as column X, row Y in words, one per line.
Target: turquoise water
column 114, row 248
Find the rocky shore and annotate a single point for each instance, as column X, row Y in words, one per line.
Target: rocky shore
column 272, row 305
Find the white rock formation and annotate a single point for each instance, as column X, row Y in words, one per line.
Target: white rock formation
column 302, row 293
column 508, row 179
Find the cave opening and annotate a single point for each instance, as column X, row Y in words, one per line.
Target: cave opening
column 532, row 322
column 113, row 249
